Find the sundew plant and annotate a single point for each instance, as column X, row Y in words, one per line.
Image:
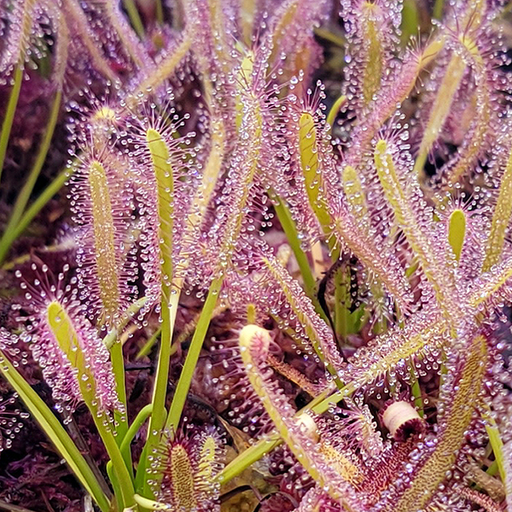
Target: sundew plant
column 255, row 256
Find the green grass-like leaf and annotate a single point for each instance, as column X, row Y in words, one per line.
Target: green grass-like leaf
column 9, row 114
column 183, row 386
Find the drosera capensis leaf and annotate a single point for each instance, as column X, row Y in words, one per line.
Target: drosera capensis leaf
column 61, row 326
column 457, row 232
column 315, row 329
column 126, row 33
column 388, row 97
column 354, row 193
column 492, row 286
column 310, row 168
column 164, row 179
column 254, row 344
column 383, row 264
column 104, row 239
column 500, row 219
column 126, row 317
column 440, row 109
column 403, row 277
column 55, row 432
column 78, row 20
column 239, row 197
column 374, row 51
column 154, row 78
column 476, row 138
column 356, row 199
column 461, row 398
column 421, row 336
column 338, row 224
column 199, row 207
column 436, row 272
column 211, row 173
